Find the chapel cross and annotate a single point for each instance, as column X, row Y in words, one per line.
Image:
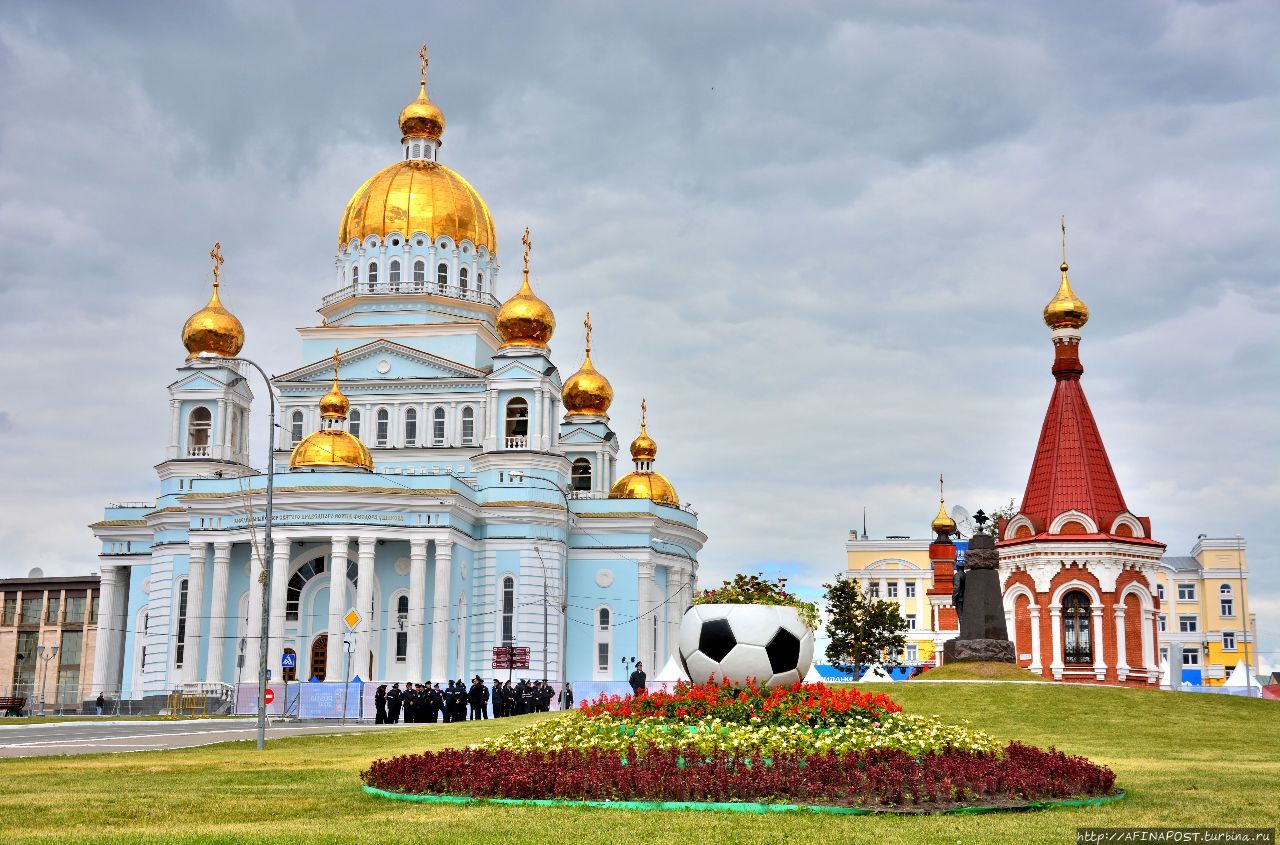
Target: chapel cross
column 216, row 255
column 587, row 323
column 422, row 54
column 1064, row 239
column 528, row 245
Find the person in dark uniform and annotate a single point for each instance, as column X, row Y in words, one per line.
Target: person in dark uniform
column 394, row 697
column 477, row 697
column 495, row 696
column 446, row 697
column 566, row 697
column 460, row 700
column 380, row 705
column 509, row 699
column 637, row 679
column 431, row 704
column 548, row 693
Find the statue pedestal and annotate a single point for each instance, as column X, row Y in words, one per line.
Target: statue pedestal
column 992, row 651
column 983, row 633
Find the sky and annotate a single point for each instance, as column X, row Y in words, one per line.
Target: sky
column 816, row 236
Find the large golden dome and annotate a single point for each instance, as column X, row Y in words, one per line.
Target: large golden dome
column 1066, row 310
column 587, row 391
column 418, row 196
column 213, row 330
column 645, row 485
column 331, row 447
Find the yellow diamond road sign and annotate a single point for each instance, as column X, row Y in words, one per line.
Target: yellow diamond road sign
column 352, row 619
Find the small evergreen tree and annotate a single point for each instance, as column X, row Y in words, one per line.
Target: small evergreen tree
column 861, row 629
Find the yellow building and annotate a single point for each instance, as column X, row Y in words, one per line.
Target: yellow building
column 897, row 569
column 1203, row 607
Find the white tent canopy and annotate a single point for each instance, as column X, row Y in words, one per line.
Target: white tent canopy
column 671, row 673
column 813, row 676
column 876, row 673
column 1239, row 677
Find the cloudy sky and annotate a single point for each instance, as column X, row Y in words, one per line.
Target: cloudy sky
column 817, row 236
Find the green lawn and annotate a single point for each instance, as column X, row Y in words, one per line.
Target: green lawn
column 1186, row 760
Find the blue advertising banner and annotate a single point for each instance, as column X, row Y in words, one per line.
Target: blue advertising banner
column 324, row 701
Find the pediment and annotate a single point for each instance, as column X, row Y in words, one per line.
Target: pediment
column 581, row 436
column 520, row 370
column 208, row 379
column 366, row 363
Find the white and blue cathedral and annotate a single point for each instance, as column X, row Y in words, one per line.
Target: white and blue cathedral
column 438, row 489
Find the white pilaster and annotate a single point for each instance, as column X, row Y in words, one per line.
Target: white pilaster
column 367, row 546
column 175, row 423
column 221, row 446
column 104, row 641
column 1099, row 657
column 1055, row 621
column 440, row 612
column 645, row 644
column 1150, row 658
column 195, row 613
column 1122, row 662
column 417, row 606
column 218, row 612
column 279, row 592
column 338, row 550
column 1035, row 638
column 253, row 628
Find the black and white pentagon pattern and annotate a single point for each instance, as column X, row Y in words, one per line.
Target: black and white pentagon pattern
column 737, row 642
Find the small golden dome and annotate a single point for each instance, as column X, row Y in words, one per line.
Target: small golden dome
column 334, row 404
column 943, row 523
column 418, row 196
column 213, row 330
column 331, row 447
column 1066, row 310
column 587, row 391
column 645, row 485
column 643, row 448
column 422, row 118
column 524, row 319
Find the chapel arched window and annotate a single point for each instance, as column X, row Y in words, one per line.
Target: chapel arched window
column 383, row 427
column 508, row 611
column 437, row 427
column 581, row 474
column 468, row 426
column 411, row 427
column 199, row 429
column 442, row 276
column 463, row 281
column 353, row 422
column 373, row 275
column 419, row 274
column 1077, row 634
column 393, row 274
column 518, row 424
column 295, row 427
column 602, row 618
column 355, row 274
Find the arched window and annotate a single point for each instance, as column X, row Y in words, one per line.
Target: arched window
column 402, row 629
column 463, row 280
column 293, row 594
column 393, row 274
column 295, row 427
column 181, row 646
column 437, row 427
column 442, row 276
column 1226, row 604
column 602, row 618
column 411, row 427
column 417, row 150
column 353, row 422
column 517, row 424
column 1077, row 638
column 199, row 429
column 603, row 639
column 479, row 282
column 383, row 432
column 1224, row 590
column 402, row 605
column 582, row 474
column 419, row 273
column 508, row 611
column 468, row 425
column 373, row 274
column 355, row 274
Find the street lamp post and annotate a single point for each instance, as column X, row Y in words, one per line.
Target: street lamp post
column 44, row 670
column 268, row 558
column 521, row 477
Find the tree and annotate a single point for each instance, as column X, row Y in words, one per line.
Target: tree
column 861, row 629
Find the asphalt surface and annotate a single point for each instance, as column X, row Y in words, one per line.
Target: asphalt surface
column 107, row 737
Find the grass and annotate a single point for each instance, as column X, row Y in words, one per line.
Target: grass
column 979, row 671
column 1187, row 760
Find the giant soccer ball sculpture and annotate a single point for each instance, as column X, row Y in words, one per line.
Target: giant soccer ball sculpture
column 735, row 642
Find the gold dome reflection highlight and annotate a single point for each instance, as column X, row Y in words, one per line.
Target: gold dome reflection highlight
column 524, row 319
column 418, row 196
column 1066, row 310
column 213, row 330
column 587, row 392
column 331, row 447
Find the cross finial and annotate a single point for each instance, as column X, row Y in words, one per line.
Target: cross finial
column 422, row 54
column 941, row 497
column 587, row 323
column 337, row 362
column 528, row 245
column 216, row 255
column 644, row 413
column 1064, row 239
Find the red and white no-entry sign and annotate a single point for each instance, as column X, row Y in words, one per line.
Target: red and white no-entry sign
column 270, row 696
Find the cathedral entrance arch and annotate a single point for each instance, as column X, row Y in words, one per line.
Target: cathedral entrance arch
column 319, row 656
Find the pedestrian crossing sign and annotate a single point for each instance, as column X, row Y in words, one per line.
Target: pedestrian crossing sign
column 288, row 661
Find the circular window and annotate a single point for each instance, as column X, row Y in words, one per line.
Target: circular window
column 604, row 578
column 419, row 241
column 384, row 366
column 395, row 242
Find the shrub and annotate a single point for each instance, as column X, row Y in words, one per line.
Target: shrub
column 756, row 589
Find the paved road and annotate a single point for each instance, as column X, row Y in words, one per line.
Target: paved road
column 94, row 737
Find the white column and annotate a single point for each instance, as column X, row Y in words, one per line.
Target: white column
column 337, row 607
column 645, row 645
column 195, row 612
column 440, row 612
column 1149, row 656
column 279, row 592
column 1055, row 621
column 367, row 546
column 109, row 585
column 253, row 630
column 1122, row 661
column 1035, row 665
column 175, row 440
column 219, row 447
column 417, row 606
column 218, row 612
column 1099, row 658
column 119, row 610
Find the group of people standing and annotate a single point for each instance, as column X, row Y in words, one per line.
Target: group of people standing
column 428, row 703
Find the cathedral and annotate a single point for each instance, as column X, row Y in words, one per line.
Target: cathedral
column 439, row 490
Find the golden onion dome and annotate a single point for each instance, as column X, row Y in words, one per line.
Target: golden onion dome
column 943, row 523
column 418, row 196
column 334, row 404
column 587, row 391
column 213, row 330
column 422, row 118
column 645, row 484
column 643, row 448
column 1066, row 310
column 331, row 447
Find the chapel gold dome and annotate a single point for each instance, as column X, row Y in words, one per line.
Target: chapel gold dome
column 418, row 196
column 329, row 448
column 1066, row 310
column 587, row 391
column 213, row 330
column 643, row 448
column 645, row 485
column 524, row 319
column 334, row 404
column 422, row 118
column 943, row 523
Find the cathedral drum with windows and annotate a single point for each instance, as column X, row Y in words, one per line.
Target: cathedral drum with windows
column 1078, row 569
column 432, row 473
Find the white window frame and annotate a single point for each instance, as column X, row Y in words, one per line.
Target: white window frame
column 1228, row 640
column 382, row 427
column 603, row 637
column 468, row 425
column 1186, row 591
column 353, row 422
column 1191, row 658
column 1160, row 591
column 296, row 423
column 910, row 589
column 891, row 589
column 439, row 431
column 507, row 611
column 913, row 653
column 411, row 426
column 1188, row 624
column 204, row 425
column 911, row 621
column 1163, row 622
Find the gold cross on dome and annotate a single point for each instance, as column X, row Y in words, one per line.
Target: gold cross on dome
column 587, row 323
column 644, row 413
column 216, row 255
column 941, row 497
column 528, row 245
column 337, row 362
column 422, row 54
column 1064, row 239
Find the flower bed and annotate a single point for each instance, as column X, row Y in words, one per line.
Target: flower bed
column 877, row 778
